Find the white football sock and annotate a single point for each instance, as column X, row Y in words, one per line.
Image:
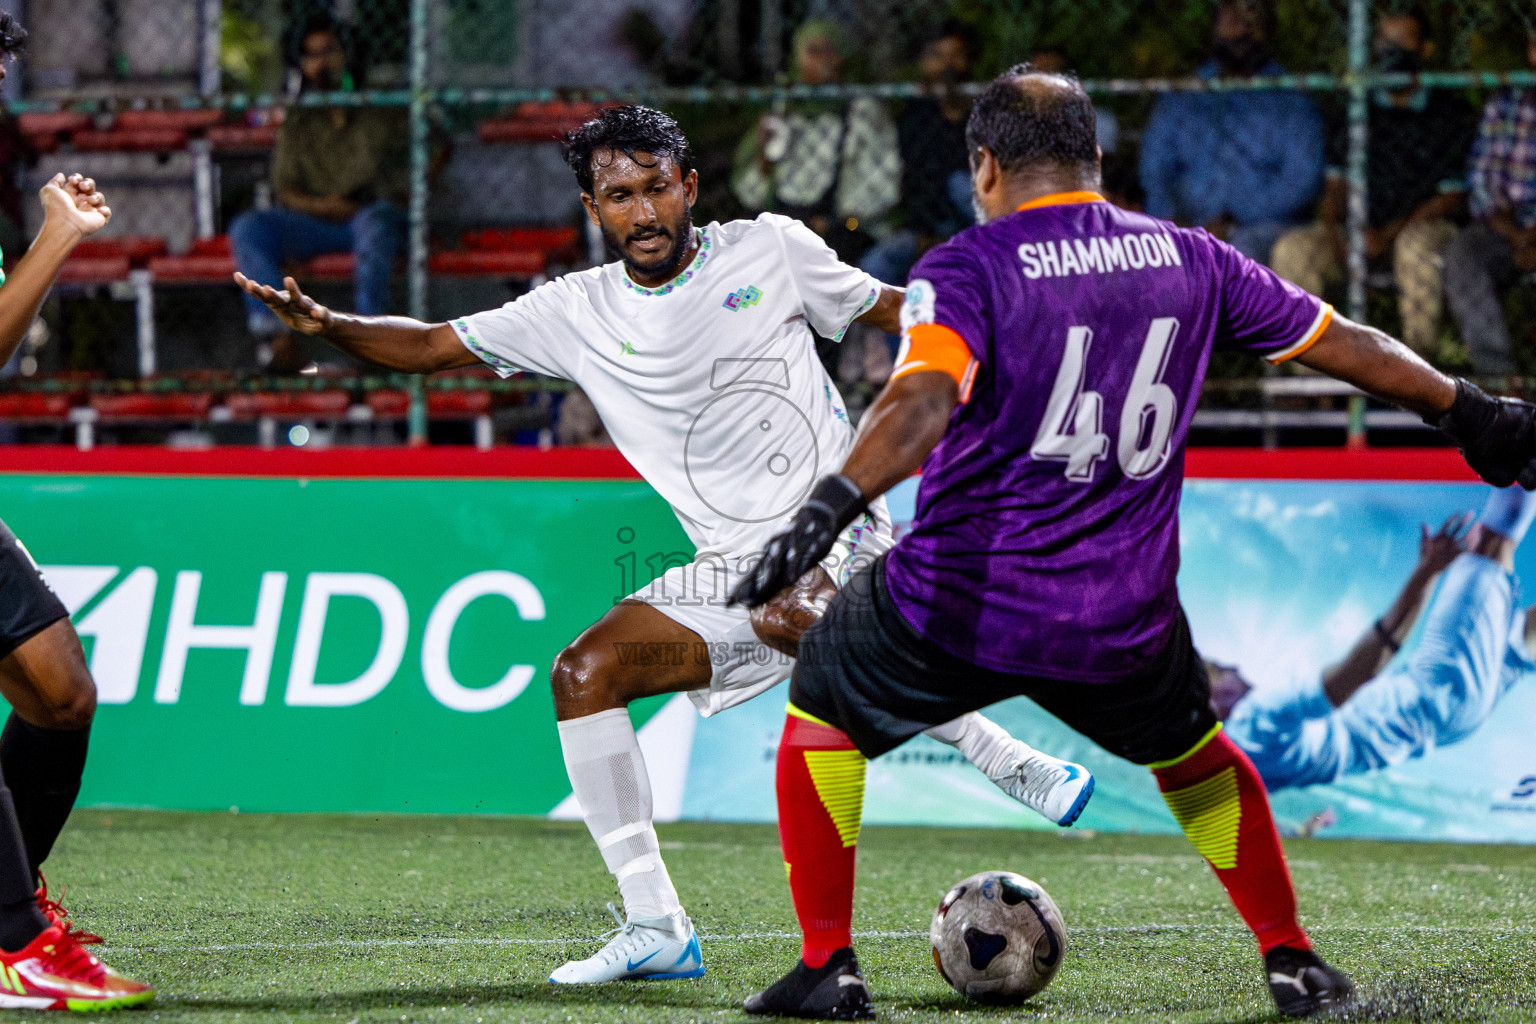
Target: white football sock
column 984, row 743
column 608, row 776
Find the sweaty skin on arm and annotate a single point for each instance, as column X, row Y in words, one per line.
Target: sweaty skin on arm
column 1379, row 365
column 898, row 431
column 394, row 342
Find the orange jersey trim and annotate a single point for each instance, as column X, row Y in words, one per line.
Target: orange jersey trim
column 1312, row 337
column 1063, row 199
column 936, row 347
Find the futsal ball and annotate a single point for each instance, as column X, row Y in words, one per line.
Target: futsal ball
column 997, row 937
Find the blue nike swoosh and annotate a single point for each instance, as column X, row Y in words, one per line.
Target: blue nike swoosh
column 633, row 965
column 1073, row 772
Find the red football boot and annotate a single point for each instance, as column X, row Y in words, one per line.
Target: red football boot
column 56, row 972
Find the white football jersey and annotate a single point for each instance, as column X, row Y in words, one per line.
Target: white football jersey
column 710, row 384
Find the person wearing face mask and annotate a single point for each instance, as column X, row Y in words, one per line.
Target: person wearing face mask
column 1500, row 243
column 1246, row 165
column 1415, row 188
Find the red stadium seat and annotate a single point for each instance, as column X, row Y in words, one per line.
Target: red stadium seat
column 446, row 405
column 63, row 121
column 288, row 404
column 167, row 120
column 208, row 262
column 97, row 270
column 242, row 138
column 145, row 407
column 130, row 140
column 500, row 264
column 334, row 265
column 538, row 122
column 441, row 405
column 558, row 243
column 21, row 407
column 136, row 249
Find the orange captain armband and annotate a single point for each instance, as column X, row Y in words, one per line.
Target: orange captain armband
column 936, row 347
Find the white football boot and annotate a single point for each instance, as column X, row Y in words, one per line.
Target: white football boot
column 650, row 949
column 1057, row 789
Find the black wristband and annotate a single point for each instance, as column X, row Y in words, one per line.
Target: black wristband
column 839, row 496
column 1386, row 637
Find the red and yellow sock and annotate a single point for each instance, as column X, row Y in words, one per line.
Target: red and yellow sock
column 1218, row 799
column 821, row 804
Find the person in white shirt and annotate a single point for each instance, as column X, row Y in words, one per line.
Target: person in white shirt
column 695, row 347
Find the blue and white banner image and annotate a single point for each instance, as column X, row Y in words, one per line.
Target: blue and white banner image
column 1280, row 580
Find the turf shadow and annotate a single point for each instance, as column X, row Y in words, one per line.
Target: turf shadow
column 604, row 996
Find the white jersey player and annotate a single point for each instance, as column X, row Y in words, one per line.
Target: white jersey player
column 695, row 347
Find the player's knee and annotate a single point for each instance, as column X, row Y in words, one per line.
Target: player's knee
column 583, row 675
column 779, row 627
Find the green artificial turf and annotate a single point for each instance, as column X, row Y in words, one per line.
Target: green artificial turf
column 256, row 918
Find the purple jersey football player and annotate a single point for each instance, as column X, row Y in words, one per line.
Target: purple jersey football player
column 1052, row 361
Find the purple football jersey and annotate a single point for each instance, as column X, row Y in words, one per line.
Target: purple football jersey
column 1046, row 535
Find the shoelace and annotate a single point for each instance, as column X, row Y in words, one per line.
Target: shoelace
column 69, row 959
column 54, row 910
column 622, row 941
column 1038, row 777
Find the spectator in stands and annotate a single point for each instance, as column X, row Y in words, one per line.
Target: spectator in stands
column 1415, row 187
column 834, row 165
column 1500, row 243
column 1244, row 164
column 935, row 168
column 341, row 178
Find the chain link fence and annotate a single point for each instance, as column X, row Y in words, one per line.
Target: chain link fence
column 1335, row 144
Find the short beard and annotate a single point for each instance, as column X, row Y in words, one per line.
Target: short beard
column 680, row 239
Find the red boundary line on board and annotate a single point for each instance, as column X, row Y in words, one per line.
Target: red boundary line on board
column 455, row 462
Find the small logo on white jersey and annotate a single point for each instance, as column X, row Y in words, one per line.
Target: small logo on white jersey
column 741, row 298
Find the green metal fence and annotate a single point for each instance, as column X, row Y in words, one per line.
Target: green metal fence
column 721, row 66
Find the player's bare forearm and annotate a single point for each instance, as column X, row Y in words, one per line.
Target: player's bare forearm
column 1380, row 365
column 903, row 425
column 886, row 312
column 393, row 342
column 398, row 342
column 27, row 285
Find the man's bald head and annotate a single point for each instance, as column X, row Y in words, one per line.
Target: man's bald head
column 1034, row 120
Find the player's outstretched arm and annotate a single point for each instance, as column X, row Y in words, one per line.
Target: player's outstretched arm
column 72, row 209
column 1382, row 639
column 394, row 342
column 902, row 426
column 1497, row 436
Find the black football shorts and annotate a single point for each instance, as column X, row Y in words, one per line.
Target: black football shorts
column 864, row 669
column 27, row 605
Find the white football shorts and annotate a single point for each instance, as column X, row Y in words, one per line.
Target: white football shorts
column 742, row 666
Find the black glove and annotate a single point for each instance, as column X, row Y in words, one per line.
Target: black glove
column 833, row 504
column 1497, row 436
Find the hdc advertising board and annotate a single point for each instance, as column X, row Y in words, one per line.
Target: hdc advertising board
column 334, row 644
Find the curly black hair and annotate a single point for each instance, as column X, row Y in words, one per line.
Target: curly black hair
column 13, row 38
column 630, row 130
column 1024, row 126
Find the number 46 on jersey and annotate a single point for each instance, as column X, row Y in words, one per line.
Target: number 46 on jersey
column 1073, row 428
